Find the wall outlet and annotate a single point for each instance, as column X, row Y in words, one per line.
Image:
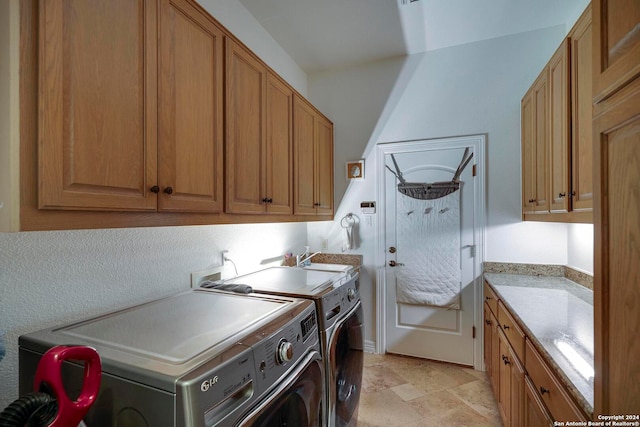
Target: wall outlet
column 325, row 244
column 225, row 255
column 213, row 273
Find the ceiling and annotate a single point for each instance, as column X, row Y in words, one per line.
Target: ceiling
column 329, row 34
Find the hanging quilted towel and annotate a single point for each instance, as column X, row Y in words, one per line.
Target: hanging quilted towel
column 428, row 241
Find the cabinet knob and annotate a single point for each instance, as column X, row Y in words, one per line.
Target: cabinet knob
column 487, row 298
column 168, row 190
column 155, row 189
column 269, row 200
column 562, row 195
column 264, row 200
column 505, row 359
column 316, row 204
column 505, row 327
column 543, row 390
column 487, row 321
column 571, row 194
column 532, row 200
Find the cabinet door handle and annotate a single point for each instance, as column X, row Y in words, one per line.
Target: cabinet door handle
column 487, row 298
column 155, row 189
column 316, row 204
column 561, row 195
column 168, row 190
column 264, row 200
column 269, row 200
column 488, row 322
column 505, row 327
column 532, row 200
column 505, row 359
column 543, row 390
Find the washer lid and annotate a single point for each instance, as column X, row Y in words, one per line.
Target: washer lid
column 175, row 330
column 290, row 280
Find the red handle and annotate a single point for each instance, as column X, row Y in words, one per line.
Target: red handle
column 49, row 371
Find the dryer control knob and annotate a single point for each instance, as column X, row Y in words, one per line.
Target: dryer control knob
column 351, row 294
column 285, row 352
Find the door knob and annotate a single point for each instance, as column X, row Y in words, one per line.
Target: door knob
column 392, row 249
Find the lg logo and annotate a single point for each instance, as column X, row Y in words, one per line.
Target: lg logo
column 207, row 384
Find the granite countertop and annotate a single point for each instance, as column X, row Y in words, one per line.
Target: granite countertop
column 556, row 313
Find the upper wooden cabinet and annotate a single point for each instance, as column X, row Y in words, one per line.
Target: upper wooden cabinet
column 616, row 45
column 190, row 140
column 556, row 134
column 99, row 113
column 124, row 109
column 559, row 129
column 582, row 114
column 535, row 146
column 259, row 136
column 313, row 160
column 97, row 105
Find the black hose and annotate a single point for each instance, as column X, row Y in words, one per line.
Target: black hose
column 31, row 410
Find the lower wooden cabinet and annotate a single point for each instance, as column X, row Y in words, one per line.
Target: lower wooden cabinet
column 511, row 374
column 535, row 414
column 527, row 391
column 552, row 393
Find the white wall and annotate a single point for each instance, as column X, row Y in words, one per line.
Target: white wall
column 47, row 278
column 470, row 89
column 580, row 247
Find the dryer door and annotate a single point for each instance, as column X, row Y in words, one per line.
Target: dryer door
column 297, row 401
column 346, row 362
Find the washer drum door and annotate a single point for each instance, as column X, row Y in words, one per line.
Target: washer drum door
column 297, row 401
column 345, row 371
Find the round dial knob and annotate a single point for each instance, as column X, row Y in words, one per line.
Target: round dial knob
column 284, row 352
column 351, row 294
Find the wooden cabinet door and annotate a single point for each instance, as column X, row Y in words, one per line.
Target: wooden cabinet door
column 504, row 379
column 560, row 129
column 535, row 414
column 245, row 142
column 541, row 138
column 616, row 267
column 324, row 167
column 582, row 114
column 492, row 349
column 528, row 153
column 517, row 395
column 616, row 45
column 279, row 150
column 190, row 146
column 304, row 131
column 97, row 140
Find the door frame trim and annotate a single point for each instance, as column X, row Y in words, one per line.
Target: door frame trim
column 477, row 143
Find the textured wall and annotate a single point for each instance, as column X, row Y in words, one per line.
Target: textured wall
column 48, row 278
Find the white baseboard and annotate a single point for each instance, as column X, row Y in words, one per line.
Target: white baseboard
column 369, row 346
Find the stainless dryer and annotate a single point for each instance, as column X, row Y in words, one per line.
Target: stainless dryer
column 337, row 299
column 197, row 358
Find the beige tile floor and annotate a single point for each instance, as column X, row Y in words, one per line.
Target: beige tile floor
column 401, row 391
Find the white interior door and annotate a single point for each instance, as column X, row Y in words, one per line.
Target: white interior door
column 431, row 249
